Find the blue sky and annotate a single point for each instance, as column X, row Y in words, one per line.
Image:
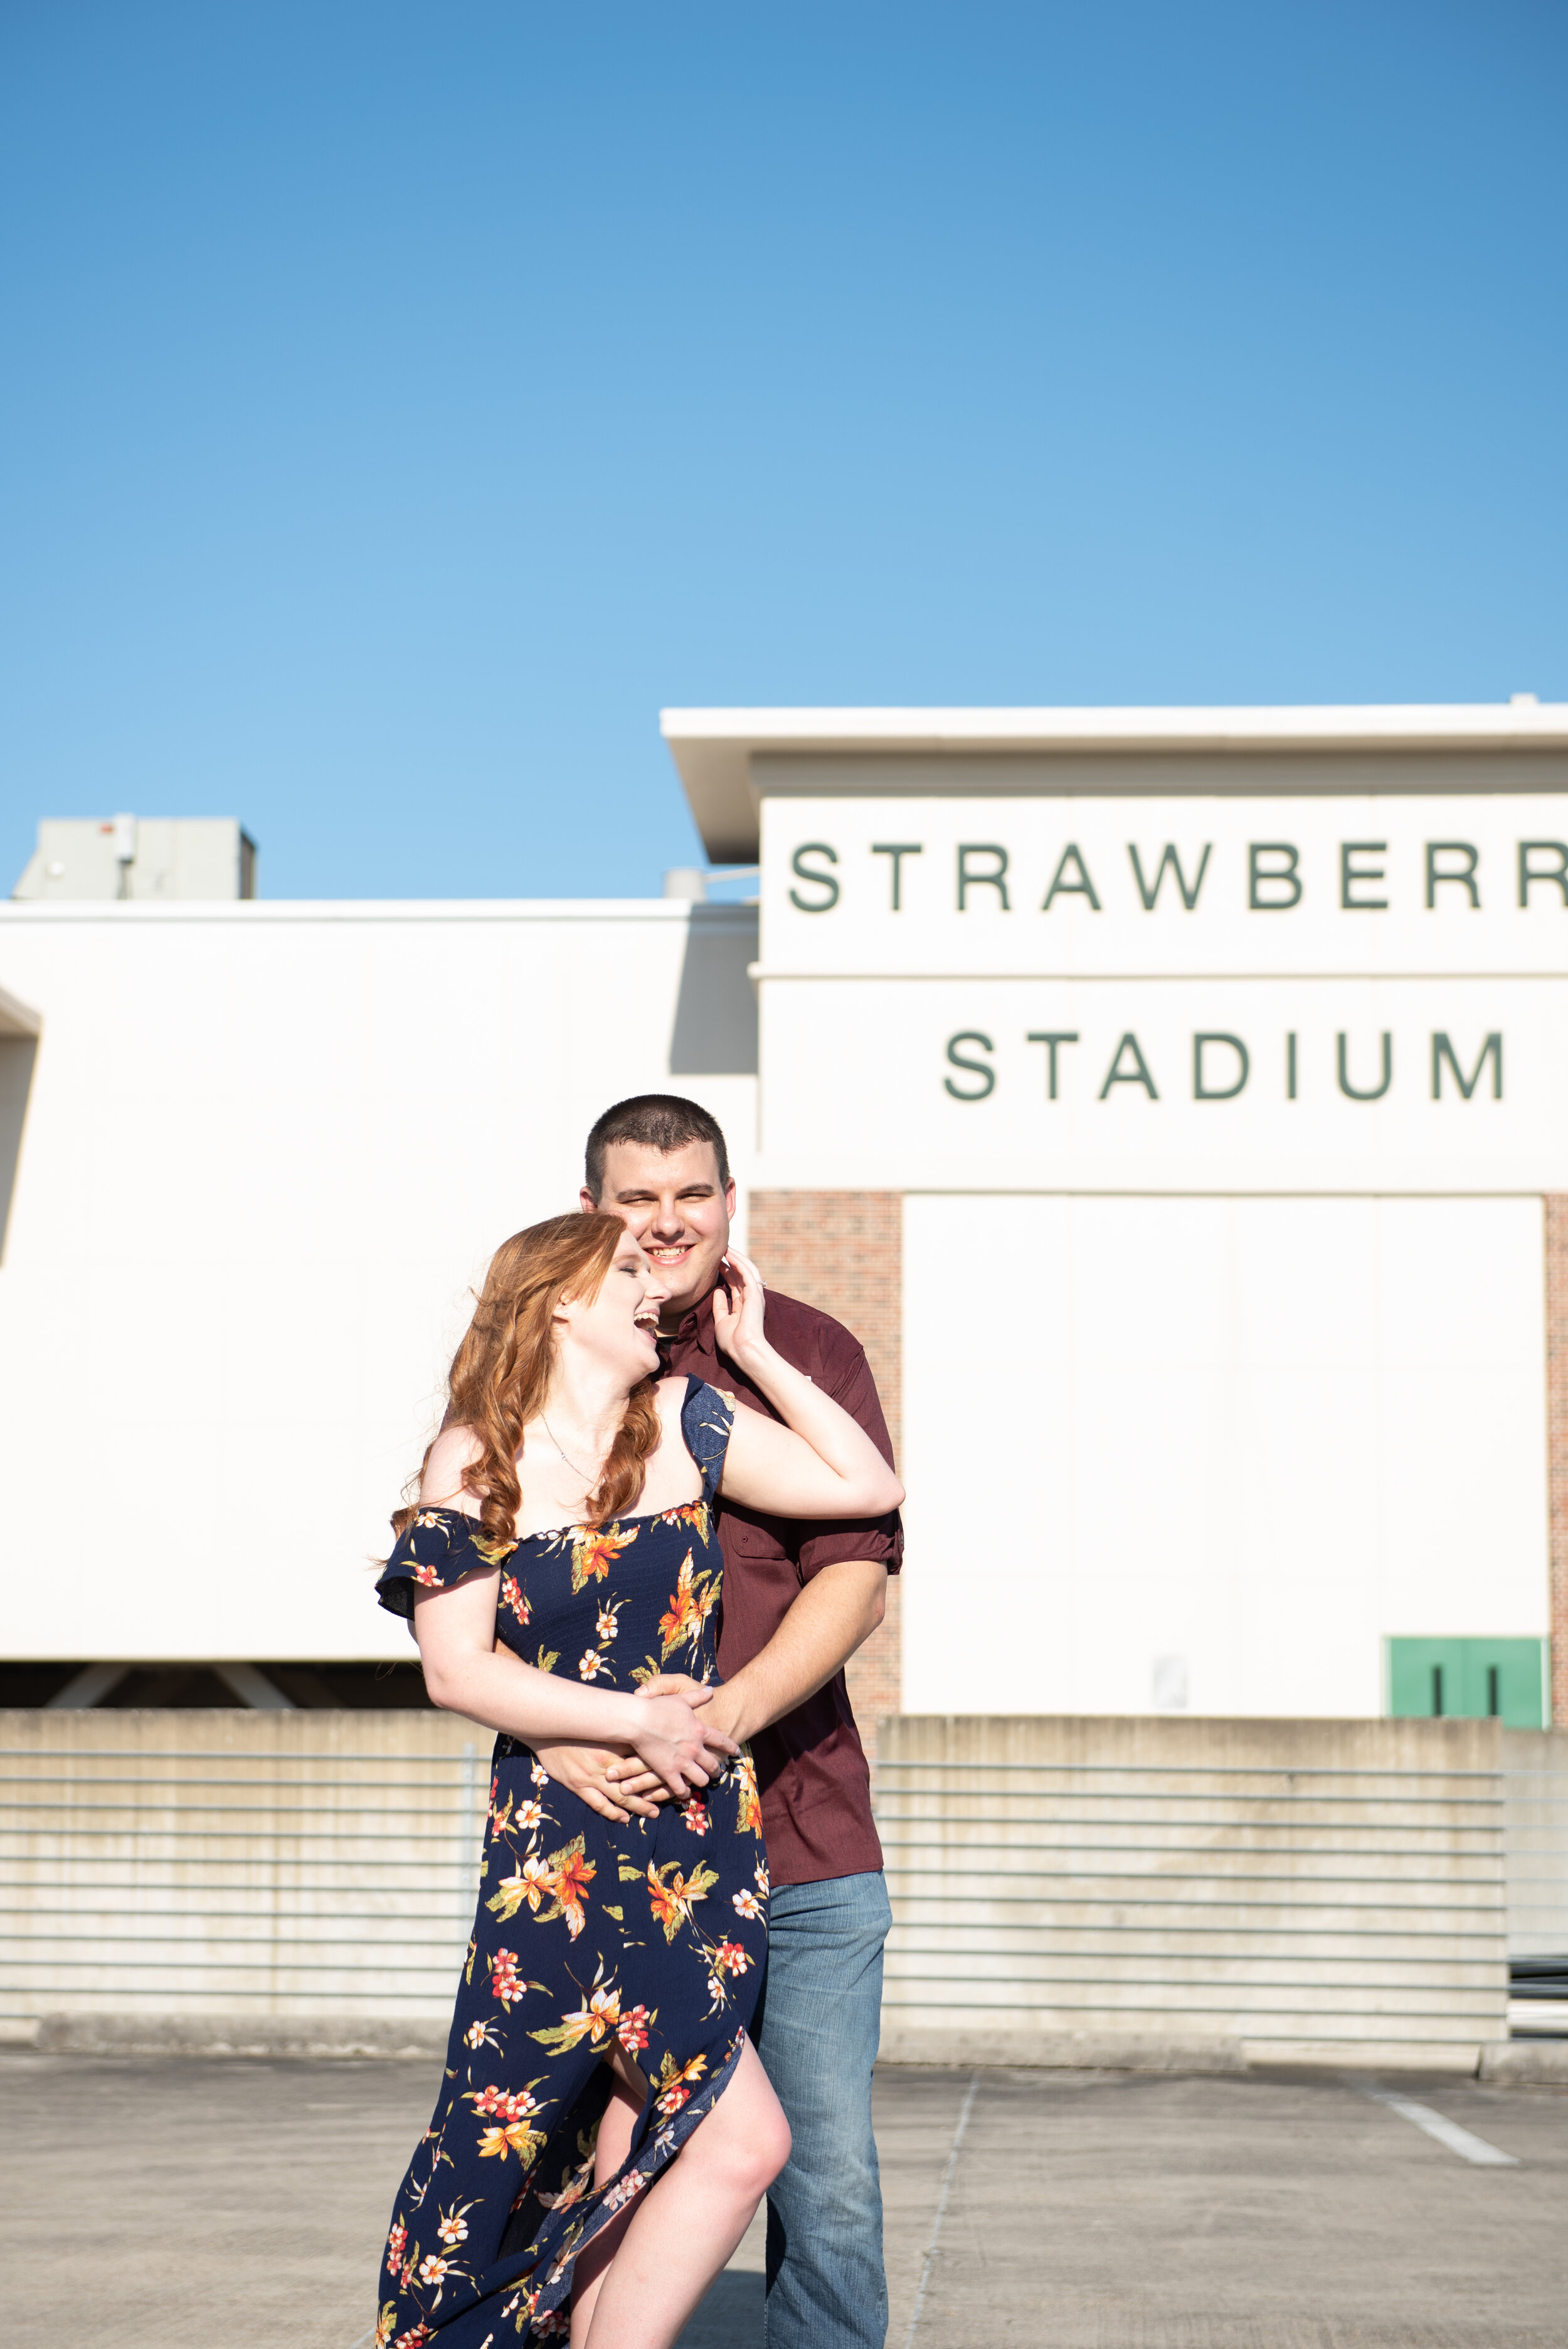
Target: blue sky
column 400, row 403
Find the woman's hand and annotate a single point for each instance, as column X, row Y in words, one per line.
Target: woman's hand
column 589, row 1773
column 680, row 1749
column 820, row 1463
column 738, row 1329
column 632, row 1782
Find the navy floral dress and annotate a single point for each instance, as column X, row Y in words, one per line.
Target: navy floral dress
column 650, row 1935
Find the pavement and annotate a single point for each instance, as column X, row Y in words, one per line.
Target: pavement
column 176, row 2201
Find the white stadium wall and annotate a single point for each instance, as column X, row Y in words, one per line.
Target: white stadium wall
column 1211, row 1452
column 267, row 1149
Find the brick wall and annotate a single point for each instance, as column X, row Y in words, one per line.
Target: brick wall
column 1556, row 1207
column 842, row 1251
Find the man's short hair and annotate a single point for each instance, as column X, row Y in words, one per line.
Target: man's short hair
column 655, row 1122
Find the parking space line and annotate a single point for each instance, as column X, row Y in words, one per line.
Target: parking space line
column 1463, row 2141
column 942, row 2208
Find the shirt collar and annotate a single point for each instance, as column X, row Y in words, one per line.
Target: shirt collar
column 695, row 1324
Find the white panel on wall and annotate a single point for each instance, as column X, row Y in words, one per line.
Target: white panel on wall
column 1215, row 1447
column 268, row 1149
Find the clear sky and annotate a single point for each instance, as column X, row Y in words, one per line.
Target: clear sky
column 399, row 403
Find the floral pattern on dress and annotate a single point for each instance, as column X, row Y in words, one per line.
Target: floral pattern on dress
column 648, row 1936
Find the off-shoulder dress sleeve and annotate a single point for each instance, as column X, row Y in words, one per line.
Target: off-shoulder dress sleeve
column 708, row 1415
column 437, row 1550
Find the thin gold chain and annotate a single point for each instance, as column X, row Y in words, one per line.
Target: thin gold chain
column 588, row 1482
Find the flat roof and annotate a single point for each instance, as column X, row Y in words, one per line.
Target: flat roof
column 714, row 748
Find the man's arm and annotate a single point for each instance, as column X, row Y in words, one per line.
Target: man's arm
column 832, row 1615
column 830, row 1618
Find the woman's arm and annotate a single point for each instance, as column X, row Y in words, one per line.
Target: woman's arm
column 465, row 1672
column 820, row 1463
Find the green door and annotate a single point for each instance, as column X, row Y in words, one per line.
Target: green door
column 1470, row 1680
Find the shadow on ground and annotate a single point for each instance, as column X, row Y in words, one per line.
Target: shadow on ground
column 731, row 2315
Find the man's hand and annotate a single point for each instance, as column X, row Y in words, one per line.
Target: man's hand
column 590, row 1771
column 838, row 1609
column 587, row 1771
column 722, row 1708
column 681, row 1745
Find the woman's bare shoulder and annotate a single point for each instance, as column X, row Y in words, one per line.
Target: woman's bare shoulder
column 453, row 1453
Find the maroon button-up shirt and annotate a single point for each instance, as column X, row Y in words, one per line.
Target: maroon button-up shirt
column 811, row 1766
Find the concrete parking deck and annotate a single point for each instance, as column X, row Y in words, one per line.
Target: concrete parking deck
column 180, row 2202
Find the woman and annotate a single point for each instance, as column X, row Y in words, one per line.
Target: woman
column 561, row 1556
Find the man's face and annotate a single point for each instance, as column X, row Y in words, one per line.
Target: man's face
column 672, row 1204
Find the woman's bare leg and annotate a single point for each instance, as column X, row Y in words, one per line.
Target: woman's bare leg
column 685, row 2226
column 612, row 2144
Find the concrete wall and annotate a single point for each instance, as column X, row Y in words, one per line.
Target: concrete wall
column 1214, row 1450
column 1189, row 1891
column 1536, row 1830
column 1063, row 1890
column 207, row 1864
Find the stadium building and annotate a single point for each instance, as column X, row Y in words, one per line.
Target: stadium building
column 1176, row 1102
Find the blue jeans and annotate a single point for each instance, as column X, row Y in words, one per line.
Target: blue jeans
column 816, row 2031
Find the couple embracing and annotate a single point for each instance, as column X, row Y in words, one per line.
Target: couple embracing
column 657, row 1522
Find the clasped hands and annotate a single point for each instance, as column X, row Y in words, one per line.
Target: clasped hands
column 692, row 1732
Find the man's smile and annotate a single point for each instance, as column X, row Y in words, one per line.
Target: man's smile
column 676, row 1205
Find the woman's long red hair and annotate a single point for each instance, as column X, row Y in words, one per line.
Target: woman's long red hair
column 500, row 1371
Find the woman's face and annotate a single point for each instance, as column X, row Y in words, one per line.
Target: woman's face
column 619, row 1327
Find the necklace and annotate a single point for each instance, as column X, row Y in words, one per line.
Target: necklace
column 588, row 1482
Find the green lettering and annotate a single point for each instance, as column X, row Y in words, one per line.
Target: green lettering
column 1168, row 860
column 1465, row 877
column 1443, row 1053
column 1202, row 1090
column 1062, row 887
column 1350, row 1091
column 1136, row 1075
column 1261, row 876
column 981, row 1069
column 993, row 880
column 898, row 850
column 820, row 880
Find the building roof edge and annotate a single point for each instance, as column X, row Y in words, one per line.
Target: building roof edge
column 714, row 748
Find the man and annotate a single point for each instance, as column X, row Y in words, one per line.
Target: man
column 798, row 1601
